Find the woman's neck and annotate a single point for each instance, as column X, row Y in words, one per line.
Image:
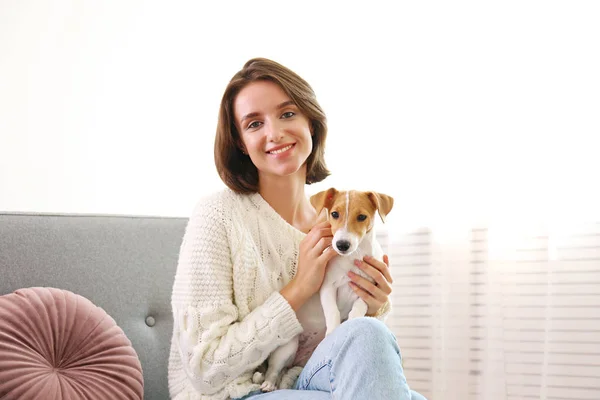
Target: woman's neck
column 287, row 197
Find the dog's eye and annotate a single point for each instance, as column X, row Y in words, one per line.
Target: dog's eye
column 361, row 217
column 335, row 215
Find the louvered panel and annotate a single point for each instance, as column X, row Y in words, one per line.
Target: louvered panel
column 564, row 335
column 539, row 357
column 563, row 300
column 480, row 310
column 555, row 324
column 418, row 363
column 412, row 326
column 408, row 287
column 418, row 307
column 574, row 347
column 422, row 343
column 566, row 357
column 411, row 355
column 412, row 318
column 401, row 268
column 570, row 393
column 401, row 272
column 422, row 387
column 541, row 266
column 553, row 392
column 584, row 382
column 558, row 336
column 579, row 237
column 404, row 331
column 558, row 312
column 452, row 352
column 482, row 358
column 537, row 254
column 495, row 351
column 403, row 300
column 552, row 318
column 490, row 368
column 506, row 327
column 478, row 363
column 417, row 375
column 566, row 289
column 576, row 253
column 556, row 278
column 517, row 369
column 481, row 391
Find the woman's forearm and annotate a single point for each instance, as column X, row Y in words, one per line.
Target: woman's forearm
column 295, row 294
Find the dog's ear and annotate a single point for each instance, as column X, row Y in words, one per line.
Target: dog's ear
column 382, row 202
column 323, row 199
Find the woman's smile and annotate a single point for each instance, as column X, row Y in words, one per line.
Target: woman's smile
column 281, row 151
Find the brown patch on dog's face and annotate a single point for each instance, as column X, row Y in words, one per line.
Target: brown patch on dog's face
column 351, row 214
column 352, row 211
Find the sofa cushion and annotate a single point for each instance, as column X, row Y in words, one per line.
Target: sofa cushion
column 58, row 343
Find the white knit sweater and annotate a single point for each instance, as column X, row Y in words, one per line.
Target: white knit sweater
column 236, row 255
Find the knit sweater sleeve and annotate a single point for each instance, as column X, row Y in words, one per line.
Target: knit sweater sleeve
column 218, row 349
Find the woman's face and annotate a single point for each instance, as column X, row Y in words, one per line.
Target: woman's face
column 275, row 134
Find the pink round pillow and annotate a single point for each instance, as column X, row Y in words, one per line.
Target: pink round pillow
column 55, row 344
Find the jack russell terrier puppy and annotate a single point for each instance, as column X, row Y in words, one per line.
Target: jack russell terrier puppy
column 352, row 217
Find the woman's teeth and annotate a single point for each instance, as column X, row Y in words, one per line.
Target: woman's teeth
column 281, row 150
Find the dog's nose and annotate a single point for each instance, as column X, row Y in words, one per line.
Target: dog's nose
column 342, row 245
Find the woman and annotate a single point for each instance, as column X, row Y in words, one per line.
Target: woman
column 252, row 255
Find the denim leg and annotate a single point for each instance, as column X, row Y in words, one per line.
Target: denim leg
column 359, row 360
column 288, row 395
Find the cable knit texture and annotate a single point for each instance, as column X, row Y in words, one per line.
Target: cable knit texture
column 236, row 255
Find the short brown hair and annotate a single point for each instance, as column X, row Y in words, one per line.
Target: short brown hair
column 234, row 167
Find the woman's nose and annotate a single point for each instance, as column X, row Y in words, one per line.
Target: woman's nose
column 274, row 132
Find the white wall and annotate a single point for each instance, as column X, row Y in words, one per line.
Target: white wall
column 460, row 110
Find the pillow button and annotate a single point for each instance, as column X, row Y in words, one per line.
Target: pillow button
column 150, row 321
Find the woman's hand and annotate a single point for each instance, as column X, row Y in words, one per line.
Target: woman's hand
column 315, row 253
column 374, row 294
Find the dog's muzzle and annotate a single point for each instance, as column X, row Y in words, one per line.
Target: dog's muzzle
column 342, row 245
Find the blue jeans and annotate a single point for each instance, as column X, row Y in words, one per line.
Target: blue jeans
column 359, row 360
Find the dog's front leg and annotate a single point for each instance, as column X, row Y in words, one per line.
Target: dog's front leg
column 282, row 357
column 331, row 311
column 359, row 309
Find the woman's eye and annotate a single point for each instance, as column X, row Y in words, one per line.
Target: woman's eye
column 361, row 217
column 335, row 215
column 288, row 114
column 253, row 125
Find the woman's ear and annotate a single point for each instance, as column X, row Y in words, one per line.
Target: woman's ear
column 242, row 148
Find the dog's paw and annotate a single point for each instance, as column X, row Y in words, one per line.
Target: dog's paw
column 258, row 378
column 289, row 377
column 268, row 386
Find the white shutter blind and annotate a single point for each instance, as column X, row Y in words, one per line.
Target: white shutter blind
column 412, row 318
column 552, row 316
column 498, row 312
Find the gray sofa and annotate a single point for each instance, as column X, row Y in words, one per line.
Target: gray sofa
column 123, row 264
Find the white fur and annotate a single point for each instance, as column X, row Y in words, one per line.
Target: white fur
column 338, row 300
column 344, row 234
column 334, row 303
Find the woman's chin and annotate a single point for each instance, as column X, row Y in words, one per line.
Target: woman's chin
column 285, row 172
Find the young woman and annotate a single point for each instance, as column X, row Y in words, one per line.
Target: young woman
column 252, row 255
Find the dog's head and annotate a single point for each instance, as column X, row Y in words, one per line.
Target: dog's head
column 351, row 214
